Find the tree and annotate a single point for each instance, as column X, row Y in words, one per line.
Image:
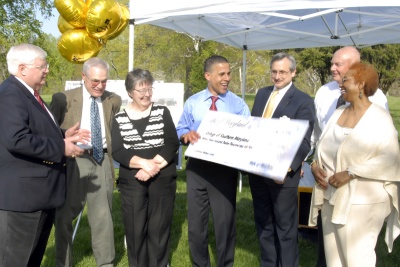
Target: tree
column 317, row 59
column 386, row 59
column 18, row 24
column 60, row 70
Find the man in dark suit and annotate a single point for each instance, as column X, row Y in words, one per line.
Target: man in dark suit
column 90, row 179
column 275, row 203
column 33, row 151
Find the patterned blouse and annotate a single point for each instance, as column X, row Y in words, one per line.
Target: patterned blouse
column 145, row 138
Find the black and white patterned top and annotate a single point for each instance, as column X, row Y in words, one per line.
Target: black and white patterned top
column 144, row 138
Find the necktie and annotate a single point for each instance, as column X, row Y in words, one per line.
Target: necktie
column 36, row 94
column 340, row 101
column 95, row 126
column 271, row 105
column 213, row 106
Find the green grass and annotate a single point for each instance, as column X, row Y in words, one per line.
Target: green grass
column 247, row 250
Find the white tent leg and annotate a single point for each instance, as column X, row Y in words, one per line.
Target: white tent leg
column 77, row 225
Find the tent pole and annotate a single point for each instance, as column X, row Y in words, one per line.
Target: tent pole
column 243, row 97
column 131, row 37
column 244, row 71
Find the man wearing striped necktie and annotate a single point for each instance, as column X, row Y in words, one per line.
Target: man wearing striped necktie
column 90, row 176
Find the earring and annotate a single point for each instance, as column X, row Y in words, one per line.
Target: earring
column 360, row 95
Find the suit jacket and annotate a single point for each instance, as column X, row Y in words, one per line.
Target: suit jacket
column 67, row 110
column 32, row 162
column 295, row 104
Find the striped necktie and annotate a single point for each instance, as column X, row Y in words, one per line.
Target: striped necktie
column 95, row 125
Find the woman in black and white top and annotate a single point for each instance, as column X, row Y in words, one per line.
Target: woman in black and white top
column 145, row 143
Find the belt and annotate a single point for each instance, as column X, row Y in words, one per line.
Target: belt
column 90, row 151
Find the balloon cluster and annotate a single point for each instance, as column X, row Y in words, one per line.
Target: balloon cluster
column 86, row 26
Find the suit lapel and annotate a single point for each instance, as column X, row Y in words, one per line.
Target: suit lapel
column 35, row 102
column 285, row 101
column 77, row 98
column 107, row 107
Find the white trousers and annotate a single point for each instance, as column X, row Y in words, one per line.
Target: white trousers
column 353, row 244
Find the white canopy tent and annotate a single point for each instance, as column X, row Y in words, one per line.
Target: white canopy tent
column 274, row 24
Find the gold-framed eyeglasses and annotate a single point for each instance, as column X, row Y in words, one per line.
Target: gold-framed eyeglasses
column 280, row 72
column 41, row 68
column 96, row 82
column 144, row 91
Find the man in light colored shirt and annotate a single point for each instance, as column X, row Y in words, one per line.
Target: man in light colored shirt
column 210, row 185
column 325, row 104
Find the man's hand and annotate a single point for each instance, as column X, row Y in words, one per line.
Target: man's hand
column 78, row 135
column 72, row 150
column 190, row 137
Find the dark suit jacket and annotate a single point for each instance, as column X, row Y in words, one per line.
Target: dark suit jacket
column 295, row 105
column 67, row 110
column 32, row 171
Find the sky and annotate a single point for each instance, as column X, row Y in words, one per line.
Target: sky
column 50, row 25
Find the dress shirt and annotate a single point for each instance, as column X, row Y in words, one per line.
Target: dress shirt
column 278, row 97
column 197, row 105
column 33, row 93
column 325, row 104
column 85, row 119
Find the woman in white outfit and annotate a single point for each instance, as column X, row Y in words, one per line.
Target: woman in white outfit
column 358, row 156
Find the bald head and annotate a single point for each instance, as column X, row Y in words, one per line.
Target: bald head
column 342, row 60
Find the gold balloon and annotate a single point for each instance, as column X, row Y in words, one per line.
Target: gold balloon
column 124, row 23
column 77, row 46
column 73, row 11
column 103, row 18
column 63, row 25
column 88, row 2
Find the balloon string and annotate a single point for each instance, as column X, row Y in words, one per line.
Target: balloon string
column 112, row 61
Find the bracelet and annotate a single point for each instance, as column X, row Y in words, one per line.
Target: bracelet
column 312, row 163
column 352, row 175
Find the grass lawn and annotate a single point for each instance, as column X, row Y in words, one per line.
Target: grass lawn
column 246, row 252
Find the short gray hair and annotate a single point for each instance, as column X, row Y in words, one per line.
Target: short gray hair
column 281, row 56
column 23, row 54
column 137, row 77
column 95, row 62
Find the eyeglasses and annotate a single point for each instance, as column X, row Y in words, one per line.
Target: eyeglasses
column 96, row 82
column 144, row 91
column 41, row 68
column 281, row 73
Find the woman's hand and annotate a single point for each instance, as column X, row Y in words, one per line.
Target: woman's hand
column 319, row 176
column 149, row 166
column 143, row 176
column 160, row 161
column 339, row 179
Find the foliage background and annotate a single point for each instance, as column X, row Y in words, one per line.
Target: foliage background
column 176, row 57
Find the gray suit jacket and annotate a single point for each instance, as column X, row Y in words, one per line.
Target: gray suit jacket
column 67, row 110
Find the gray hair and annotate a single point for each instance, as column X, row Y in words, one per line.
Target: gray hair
column 282, row 55
column 95, row 62
column 137, row 77
column 23, row 54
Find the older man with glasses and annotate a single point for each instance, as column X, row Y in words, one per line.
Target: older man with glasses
column 90, row 176
column 33, row 152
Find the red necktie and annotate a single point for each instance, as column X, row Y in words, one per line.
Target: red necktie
column 213, row 106
column 36, row 94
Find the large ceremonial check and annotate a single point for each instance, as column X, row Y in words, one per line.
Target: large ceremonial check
column 265, row 147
